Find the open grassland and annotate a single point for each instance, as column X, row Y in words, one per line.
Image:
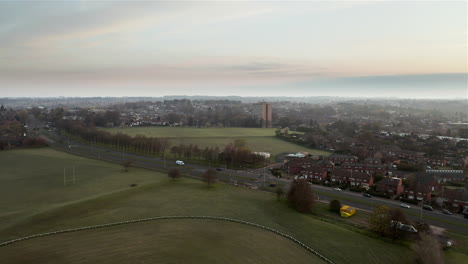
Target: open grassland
column 258, row 139
column 192, row 132
column 32, row 191
column 162, row 241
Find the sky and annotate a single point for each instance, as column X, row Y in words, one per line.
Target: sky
column 267, row 48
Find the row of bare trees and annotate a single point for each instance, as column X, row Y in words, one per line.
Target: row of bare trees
column 234, row 154
column 139, row 143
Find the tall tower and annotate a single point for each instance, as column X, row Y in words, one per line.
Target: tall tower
column 267, row 115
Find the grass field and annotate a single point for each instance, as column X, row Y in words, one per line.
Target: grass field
column 258, row 139
column 34, row 200
column 163, row 241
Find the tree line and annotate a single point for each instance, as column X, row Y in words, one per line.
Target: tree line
column 234, row 154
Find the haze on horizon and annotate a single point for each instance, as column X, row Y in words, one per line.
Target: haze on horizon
column 148, row 48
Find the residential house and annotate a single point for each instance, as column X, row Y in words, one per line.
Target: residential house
column 314, row 173
column 356, row 179
column 443, row 176
column 390, row 186
column 456, row 200
column 364, row 167
column 339, row 159
column 437, row 162
column 372, row 161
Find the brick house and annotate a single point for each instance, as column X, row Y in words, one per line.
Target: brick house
column 363, row 167
column 456, row 200
column 410, row 155
column 314, row 173
column 356, row 179
column 327, row 165
column 296, row 165
column 419, row 192
column 422, row 187
column 443, row 176
column 391, row 186
column 372, row 161
column 339, row 159
column 436, row 162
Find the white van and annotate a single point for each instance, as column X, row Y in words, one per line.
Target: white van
column 179, row 162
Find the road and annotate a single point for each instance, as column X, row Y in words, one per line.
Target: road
column 257, row 179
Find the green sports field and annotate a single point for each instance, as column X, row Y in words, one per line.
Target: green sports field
column 34, row 200
column 162, row 241
column 258, row 139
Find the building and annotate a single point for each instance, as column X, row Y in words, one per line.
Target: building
column 314, row 173
column 390, row 186
column 267, row 116
column 355, row 179
column 456, row 200
column 443, row 176
column 339, row 159
column 365, row 167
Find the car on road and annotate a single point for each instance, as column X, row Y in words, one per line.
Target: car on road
column 405, row 206
column 428, row 207
column 337, row 189
column 219, row 169
column 447, row 212
column 179, row 162
column 272, row 184
column 367, row 195
column 108, row 150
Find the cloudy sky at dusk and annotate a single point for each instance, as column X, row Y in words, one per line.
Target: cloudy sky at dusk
column 308, row 48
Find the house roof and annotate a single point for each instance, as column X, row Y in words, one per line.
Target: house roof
column 340, row 156
column 394, row 182
column 364, row 165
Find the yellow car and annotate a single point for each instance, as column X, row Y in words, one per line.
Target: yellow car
column 347, row 211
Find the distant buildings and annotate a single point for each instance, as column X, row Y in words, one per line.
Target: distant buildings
column 267, row 115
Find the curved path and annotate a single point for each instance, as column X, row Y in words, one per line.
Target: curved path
column 171, row 217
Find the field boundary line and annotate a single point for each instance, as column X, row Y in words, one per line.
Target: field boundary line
column 6, row 243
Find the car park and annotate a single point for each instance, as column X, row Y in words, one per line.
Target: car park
column 405, row 206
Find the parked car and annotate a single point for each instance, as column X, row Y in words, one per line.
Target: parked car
column 465, row 213
column 428, row 207
column 337, row 189
column 403, row 227
column 405, row 206
column 366, row 195
column 447, row 212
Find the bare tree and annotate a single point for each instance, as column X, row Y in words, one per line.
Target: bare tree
column 210, row 176
column 396, row 214
column 174, row 173
column 428, row 250
column 335, row 206
column 127, row 164
column 300, row 196
column 279, row 192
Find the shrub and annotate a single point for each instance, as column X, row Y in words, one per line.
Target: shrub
column 174, row 173
column 335, row 206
